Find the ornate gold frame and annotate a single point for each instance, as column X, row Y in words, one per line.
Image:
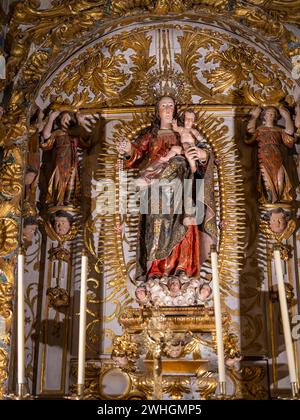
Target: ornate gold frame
column 32, row 68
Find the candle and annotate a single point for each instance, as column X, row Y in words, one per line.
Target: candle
column 285, row 318
column 82, row 320
column 21, row 324
column 218, row 315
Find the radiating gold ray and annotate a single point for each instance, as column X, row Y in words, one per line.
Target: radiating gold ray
column 231, row 196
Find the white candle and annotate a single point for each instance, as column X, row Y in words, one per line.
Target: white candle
column 218, row 314
column 285, row 318
column 2, row 67
column 82, row 320
column 21, row 324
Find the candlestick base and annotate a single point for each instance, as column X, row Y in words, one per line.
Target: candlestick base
column 80, row 394
column 21, row 395
column 295, row 393
column 222, row 393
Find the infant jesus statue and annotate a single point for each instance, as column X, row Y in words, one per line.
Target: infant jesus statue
column 188, row 137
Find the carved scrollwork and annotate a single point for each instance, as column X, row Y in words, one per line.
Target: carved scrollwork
column 6, row 297
column 233, row 71
column 102, row 75
column 54, row 236
column 64, row 21
column 11, row 174
column 230, row 80
column 54, row 26
column 122, row 7
column 6, row 287
column 3, row 370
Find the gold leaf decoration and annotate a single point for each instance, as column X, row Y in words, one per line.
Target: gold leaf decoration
column 189, row 57
column 231, row 202
column 7, row 268
column 35, row 67
column 240, row 66
column 6, row 287
column 53, row 27
column 8, row 236
column 103, row 76
column 10, row 178
column 122, row 7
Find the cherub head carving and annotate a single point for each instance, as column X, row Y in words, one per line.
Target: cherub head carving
column 174, row 286
column 62, row 222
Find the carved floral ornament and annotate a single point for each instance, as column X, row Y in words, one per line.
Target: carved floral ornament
column 209, row 65
column 66, row 22
column 248, row 75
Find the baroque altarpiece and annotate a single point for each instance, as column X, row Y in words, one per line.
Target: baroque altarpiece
column 105, row 97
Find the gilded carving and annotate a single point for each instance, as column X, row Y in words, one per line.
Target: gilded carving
column 111, row 255
column 257, row 19
column 123, row 346
column 248, row 382
column 190, row 43
column 177, row 387
column 278, row 236
column 6, row 298
column 103, row 75
column 207, row 384
column 163, row 7
column 231, row 78
column 64, row 22
column 13, row 126
column 11, row 174
column 8, row 236
column 122, row 7
column 57, row 25
column 54, row 27
column 61, row 238
column 35, row 67
column 239, row 73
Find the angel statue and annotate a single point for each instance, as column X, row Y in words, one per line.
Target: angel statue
column 277, row 179
column 64, row 134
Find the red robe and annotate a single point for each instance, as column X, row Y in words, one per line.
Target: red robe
column 271, row 144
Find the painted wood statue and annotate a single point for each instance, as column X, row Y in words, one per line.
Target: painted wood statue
column 276, row 177
column 170, row 244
